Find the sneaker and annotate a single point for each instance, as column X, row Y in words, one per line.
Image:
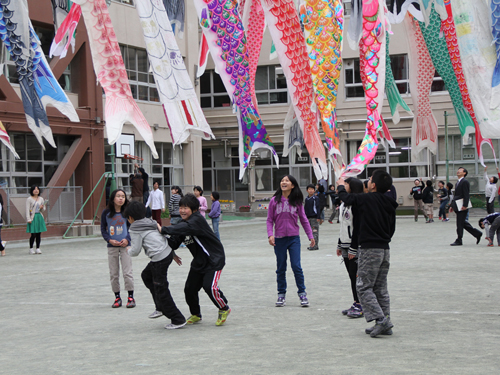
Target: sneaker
column 345, row 312
column 446, row 219
column 222, row 317
column 490, row 244
column 304, row 302
column 313, row 248
column 174, row 326
column 38, row 251
column 356, row 312
column 155, row 314
column 280, row 302
column 416, row 219
column 381, row 327
column 131, row 302
column 330, row 221
column 193, row 319
column 387, row 333
column 32, row 251
column 117, row 303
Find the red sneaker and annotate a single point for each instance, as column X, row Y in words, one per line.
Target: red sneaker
column 131, row 302
column 118, row 303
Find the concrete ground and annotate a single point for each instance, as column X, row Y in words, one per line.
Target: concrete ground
column 56, row 315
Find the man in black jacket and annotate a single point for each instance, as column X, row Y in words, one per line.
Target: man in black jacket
column 378, row 223
column 145, row 186
column 208, row 258
column 461, row 197
column 417, row 191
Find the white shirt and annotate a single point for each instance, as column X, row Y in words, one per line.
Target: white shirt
column 156, row 199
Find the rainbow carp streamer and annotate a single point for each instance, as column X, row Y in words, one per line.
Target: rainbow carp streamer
column 223, row 29
column 372, row 70
column 323, row 22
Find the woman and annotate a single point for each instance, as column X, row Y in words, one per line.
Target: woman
column 490, row 191
column 114, row 230
column 36, row 224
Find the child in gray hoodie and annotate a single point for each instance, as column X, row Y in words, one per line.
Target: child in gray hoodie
column 144, row 234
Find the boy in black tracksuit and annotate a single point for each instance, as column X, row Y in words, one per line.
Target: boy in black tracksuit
column 378, row 223
column 313, row 213
column 208, row 258
column 417, row 191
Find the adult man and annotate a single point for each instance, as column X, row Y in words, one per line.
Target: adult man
column 136, row 184
column 145, row 177
column 461, row 198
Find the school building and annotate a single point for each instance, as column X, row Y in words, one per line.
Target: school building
column 82, row 154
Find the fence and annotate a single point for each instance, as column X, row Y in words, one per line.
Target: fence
column 62, row 204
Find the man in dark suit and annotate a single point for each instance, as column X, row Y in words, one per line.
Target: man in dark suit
column 462, row 189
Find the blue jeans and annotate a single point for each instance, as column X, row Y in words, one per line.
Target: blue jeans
column 442, row 209
column 292, row 244
column 215, row 225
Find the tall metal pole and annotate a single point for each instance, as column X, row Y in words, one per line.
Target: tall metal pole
column 113, row 180
column 446, row 143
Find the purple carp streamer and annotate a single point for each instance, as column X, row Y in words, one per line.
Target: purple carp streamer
column 120, row 106
column 177, row 95
column 222, row 27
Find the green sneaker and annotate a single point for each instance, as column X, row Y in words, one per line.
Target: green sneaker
column 222, row 317
column 193, row 319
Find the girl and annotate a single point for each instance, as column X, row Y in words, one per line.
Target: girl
column 285, row 208
column 443, row 200
column 215, row 212
column 114, row 230
column 36, row 224
column 348, row 243
column 173, row 204
column 198, row 193
column 2, row 243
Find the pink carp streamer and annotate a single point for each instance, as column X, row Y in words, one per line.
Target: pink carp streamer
column 66, row 33
column 253, row 19
column 108, row 65
column 448, row 26
column 424, row 127
column 5, row 139
column 284, row 26
column 324, row 24
column 372, row 69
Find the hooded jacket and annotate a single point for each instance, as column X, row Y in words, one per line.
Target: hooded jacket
column 144, row 234
column 378, row 217
column 196, row 234
column 283, row 216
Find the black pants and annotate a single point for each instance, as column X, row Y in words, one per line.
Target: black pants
column 1, row 246
column 37, row 237
column 351, row 266
column 155, row 279
column 462, row 224
column 490, row 207
column 208, row 280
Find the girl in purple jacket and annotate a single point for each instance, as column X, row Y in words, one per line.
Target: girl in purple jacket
column 285, row 208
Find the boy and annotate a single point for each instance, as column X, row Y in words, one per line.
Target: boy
column 417, row 191
column 377, row 214
column 491, row 224
column 313, row 214
column 144, row 233
column 208, row 258
column 428, row 199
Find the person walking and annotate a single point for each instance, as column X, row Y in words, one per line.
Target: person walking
column 157, row 202
column 490, row 191
column 35, row 205
column 460, row 205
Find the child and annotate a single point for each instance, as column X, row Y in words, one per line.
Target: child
column 198, row 193
column 416, row 191
column 378, row 223
column 428, row 200
column 285, row 208
column 215, row 212
column 335, row 202
column 208, row 258
column 443, row 200
column 320, row 193
column 490, row 191
column 114, row 230
column 491, row 225
column 348, row 243
column 35, row 205
column 313, row 214
column 173, row 205
column 144, row 233
column 157, row 202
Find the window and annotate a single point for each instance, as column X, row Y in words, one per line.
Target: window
column 353, row 84
column 142, row 82
column 399, row 65
column 438, row 84
column 270, row 88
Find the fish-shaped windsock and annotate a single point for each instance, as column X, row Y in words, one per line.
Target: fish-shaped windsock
column 120, row 106
column 17, row 37
column 391, row 89
column 495, row 31
column 324, row 24
column 177, row 95
column 5, row 139
column 424, row 130
column 65, row 34
column 221, row 24
column 398, row 9
column 478, row 56
column 372, row 70
column 427, row 7
column 284, row 25
column 293, row 137
column 448, row 27
column 355, row 27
